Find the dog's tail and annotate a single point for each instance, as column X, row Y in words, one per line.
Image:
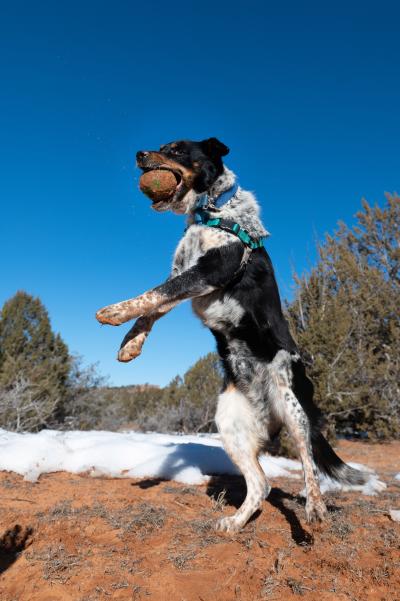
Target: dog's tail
column 325, row 457
column 331, row 465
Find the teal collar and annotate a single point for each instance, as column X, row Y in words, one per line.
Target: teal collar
column 203, row 217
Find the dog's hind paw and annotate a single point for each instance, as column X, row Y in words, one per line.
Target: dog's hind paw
column 230, row 524
column 316, row 511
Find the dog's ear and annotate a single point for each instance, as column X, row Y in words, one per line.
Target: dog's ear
column 213, row 148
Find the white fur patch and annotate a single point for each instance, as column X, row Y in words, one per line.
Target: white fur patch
column 237, row 416
column 195, row 243
column 233, row 406
column 218, row 312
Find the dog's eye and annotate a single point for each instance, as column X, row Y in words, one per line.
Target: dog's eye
column 175, row 151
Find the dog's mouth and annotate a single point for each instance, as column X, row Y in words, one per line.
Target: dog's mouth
column 157, row 161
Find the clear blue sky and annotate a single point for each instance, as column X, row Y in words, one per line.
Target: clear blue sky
column 306, row 95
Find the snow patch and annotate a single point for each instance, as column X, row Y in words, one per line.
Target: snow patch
column 395, row 514
column 190, row 459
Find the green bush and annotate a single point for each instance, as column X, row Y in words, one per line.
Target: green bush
column 345, row 316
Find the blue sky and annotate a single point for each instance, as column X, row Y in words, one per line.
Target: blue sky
column 306, row 95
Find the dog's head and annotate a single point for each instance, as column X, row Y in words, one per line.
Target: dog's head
column 196, row 166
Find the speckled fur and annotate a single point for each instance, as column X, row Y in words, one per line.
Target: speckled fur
column 243, row 208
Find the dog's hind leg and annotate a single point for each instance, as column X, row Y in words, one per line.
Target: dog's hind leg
column 294, row 417
column 243, row 441
column 298, row 425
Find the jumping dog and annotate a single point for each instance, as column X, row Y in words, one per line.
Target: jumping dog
column 223, row 267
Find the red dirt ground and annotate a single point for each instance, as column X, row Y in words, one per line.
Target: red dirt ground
column 74, row 538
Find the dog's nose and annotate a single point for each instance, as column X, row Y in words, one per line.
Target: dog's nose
column 141, row 154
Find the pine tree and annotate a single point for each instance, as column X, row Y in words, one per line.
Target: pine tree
column 31, row 352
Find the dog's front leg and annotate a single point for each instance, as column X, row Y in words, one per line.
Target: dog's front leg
column 186, row 285
column 213, row 270
column 115, row 315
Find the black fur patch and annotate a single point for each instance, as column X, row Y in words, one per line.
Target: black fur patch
column 263, row 327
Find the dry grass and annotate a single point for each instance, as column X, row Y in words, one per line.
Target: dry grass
column 141, row 519
column 181, row 559
column 57, row 562
column 219, row 502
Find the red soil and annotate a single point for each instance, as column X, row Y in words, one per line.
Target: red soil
column 72, row 538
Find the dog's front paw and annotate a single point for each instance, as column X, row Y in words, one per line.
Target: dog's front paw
column 113, row 315
column 132, row 348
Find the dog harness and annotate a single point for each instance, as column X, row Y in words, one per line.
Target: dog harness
column 203, row 217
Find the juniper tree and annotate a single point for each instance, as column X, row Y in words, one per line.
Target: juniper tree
column 30, row 352
column 201, row 385
column 187, row 404
column 345, row 316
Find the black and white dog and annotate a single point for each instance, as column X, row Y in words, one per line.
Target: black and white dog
column 221, row 265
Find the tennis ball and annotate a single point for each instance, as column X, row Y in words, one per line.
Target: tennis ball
column 159, row 184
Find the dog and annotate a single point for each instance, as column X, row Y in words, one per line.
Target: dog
column 223, row 267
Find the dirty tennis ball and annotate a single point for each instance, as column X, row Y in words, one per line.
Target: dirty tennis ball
column 158, row 184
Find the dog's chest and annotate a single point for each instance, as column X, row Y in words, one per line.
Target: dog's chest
column 197, row 241
column 216, row 310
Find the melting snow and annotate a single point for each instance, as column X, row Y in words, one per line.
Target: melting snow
column 190, row 459
column 395, row 515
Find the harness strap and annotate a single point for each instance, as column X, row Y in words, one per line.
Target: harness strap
column 203, row 217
